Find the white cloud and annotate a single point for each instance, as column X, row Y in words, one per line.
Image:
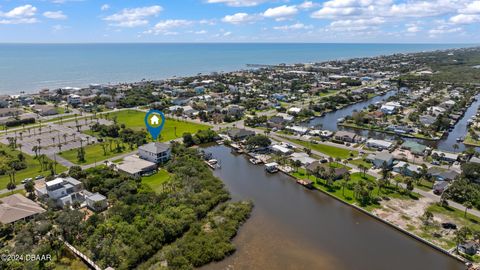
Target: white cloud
column 164, row 27
column 471, row 8
column 201, row 32
column 465, row 19
column 296, row 26
column 307, row 5
column 281, row 12
column 413, row 28
column 239, row 18
column 238, row 3
column 356, row 25
column 105, row 7
column 226, row 34
column 444, row 29
column 20, row 15
column 55, row 15
column 133, row 17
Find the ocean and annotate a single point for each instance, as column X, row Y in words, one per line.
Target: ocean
column 31, row 67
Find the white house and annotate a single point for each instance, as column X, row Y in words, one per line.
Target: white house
column 155, row 152
column 379, row 144
column 74, row 99
column 294, row 110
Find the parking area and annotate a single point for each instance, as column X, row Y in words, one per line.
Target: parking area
column 54, row 138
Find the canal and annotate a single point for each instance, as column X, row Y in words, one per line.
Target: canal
column 329, row 122
column 295, row 228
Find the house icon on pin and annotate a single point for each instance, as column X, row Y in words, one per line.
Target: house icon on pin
column 154, row 120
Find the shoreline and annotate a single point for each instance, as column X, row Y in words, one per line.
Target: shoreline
column 238, row 66
column 386, row 222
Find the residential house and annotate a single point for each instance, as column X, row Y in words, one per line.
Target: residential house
column 381, row 158
column 304, row 158
column 414, row 147
column 445, row 156
column 379, row 144
column 281, row 150
column 16, row 207
column 97, row 202
column 237, row 134
column 346, row 136
column 325, row 170
column 406, row 169
column 155, row 152
column 74, row 99
column 441, row 174
column 45, row 110
column 136, row 166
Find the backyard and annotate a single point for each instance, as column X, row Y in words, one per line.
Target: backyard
column 155, row 181
column 332, row 151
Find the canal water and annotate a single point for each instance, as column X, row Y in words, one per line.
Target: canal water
column 329, row 122
column 295, row 228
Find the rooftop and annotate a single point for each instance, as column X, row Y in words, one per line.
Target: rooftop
column 17, row 207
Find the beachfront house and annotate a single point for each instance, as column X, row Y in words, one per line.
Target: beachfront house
column 444, row 156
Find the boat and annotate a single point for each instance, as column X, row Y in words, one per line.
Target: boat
column 305, row 183
column 213, row 163
column 460, row 139
column 271, row 167
column 255, row 161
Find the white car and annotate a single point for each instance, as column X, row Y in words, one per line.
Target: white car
column 24, row 181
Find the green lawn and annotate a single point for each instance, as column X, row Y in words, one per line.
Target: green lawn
column 173, row 129
column 328, row 150
column 155, row 181
column 94, row 153
column 363, row 162
column 347, row 195
column 32, row 170
column 21, row 191
column 457, row 216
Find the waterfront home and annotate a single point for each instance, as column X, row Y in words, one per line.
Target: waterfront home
column 381, row 158
column 445, row 156
column 136, row 166
column 304, row 158
column 388, row 109
column 16, row 207
column 321, row 133
column 297, row 129
column 406, row 169
column 414, row 147
column 281, row 150
column 237, row 134
column 63, row 191
column 379, row 144
column 155, row 152
column 294, row 111
column 346, row 136
column 288, row 118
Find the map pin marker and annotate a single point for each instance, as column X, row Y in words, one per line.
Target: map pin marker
column 154, row 120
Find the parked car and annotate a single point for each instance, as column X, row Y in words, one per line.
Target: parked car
column 24, row 181
column 39, row 177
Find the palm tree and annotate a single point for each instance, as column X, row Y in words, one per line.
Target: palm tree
column 468, row 205
column 363, row 168
column 455, row 148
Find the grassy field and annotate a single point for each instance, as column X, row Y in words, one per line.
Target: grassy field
column 173, row 129
column 32, row 170
column 363, row 162
column 21, row 191
column 93, row 153
column 328, row 150
column 155, row 181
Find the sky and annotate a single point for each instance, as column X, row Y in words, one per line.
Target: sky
column 349, row 21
